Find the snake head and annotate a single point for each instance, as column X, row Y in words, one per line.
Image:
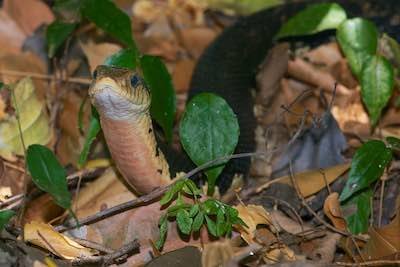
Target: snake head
column 119, row 93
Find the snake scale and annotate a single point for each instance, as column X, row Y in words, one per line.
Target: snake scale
column 227, row 68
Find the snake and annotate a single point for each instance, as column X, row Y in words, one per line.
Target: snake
column 227, row 68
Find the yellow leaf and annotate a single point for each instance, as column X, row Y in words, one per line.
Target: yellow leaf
column 33, row 118
column 43, row 235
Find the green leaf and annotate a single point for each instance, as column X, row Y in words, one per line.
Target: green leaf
column 80, row 113
column 313, row 19
column 48, row 174
column 172, row 211
column 242, row 7
column 198, row 221
column 357, row 210
column 163, row 103
column 377, row 81
column 184, row 221
column 107, row 16
column 358, row 39
column 5, row 216
column 393, row 142
column 209, row 129
column 194, row 210
column 220, row 225
column 368, row 164
column 94, row 129
column 191, row 188
column 56, row 34
column 211, row 206
column 169, row 195
column 163, row 224
column 125, row 58
column 212, row 228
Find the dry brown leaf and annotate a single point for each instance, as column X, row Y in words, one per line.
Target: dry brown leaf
column 97, row 53
column 217, row 253
column 42, row 209
column 44, row 236
column 325, row 54
column 196, row 40
column 28, row 14
column 11, row 36
column 252, row 215
column 326, row 248
column 333, row 212
column 5, row 193
column 182, row 75
column 384, row 242
column 282, row 253
column 287, row 224
column 147, row 11
column 310, row 182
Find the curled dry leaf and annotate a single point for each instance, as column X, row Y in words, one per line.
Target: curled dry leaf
column 333, row 212
column 217, row 253
column 11, row 36
column 44, row 236
column 279, row 254
column 252, row 215
column 33, row 118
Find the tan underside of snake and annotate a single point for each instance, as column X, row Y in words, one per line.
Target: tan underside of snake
column 125, row 119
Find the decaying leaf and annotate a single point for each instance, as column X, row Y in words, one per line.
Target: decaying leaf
column 97, row 53
column 44, row 236
column 33, row 118
column 252, row 215
column 217, row 253
column 333, row 212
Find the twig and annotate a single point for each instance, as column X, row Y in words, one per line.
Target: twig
column 370, row 263
column 92, row 245
column 78, row 80
column 108, row 259
column 152, row 195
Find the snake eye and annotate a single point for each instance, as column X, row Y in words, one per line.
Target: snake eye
column 134, row 81
column 94, row 74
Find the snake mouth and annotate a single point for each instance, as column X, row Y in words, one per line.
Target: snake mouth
column 115, row 101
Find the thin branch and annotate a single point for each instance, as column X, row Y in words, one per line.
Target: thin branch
column 370, row 263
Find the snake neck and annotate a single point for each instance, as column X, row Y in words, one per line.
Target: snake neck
column 133, row 147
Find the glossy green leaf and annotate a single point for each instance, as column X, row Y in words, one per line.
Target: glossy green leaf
column 163, row 226
column 221, row 222
column 125, row 58
column 5, row 216
column 313, row 19
column 56, row 34
column 191, row 188
column 357, row 211
column 194, row 210
column 163, row 103
column 94, row 129
column 172, row 211
column 393, row 142
column 212, row 228
column 242, row 7
column 184, row 221
column 170, row 194
column 358, row 39
column 377, row 81
column 367, row 166
column 48, row 174
column 198, row 221
column 211, row 206
column 209, row 130
column 107, row 16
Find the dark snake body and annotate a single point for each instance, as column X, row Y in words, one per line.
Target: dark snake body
column 229, row 65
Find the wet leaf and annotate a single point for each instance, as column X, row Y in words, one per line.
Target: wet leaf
column 393, row 142
column 377, row 81
column 107, row 16
column 368, row 164
column 48, row 174
column 313, row 19
column 212, row 228
column 356, row 211
column 198, row 221
column 5, row 216
column 184, row 221
column 125, row 58
column 170, row 194
column 163, row 224
column 94, row 129
column 194, row 210
column 358, row 39
column 56, row 34
column 163, row 102
column 220, row 224
column 209, row 129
